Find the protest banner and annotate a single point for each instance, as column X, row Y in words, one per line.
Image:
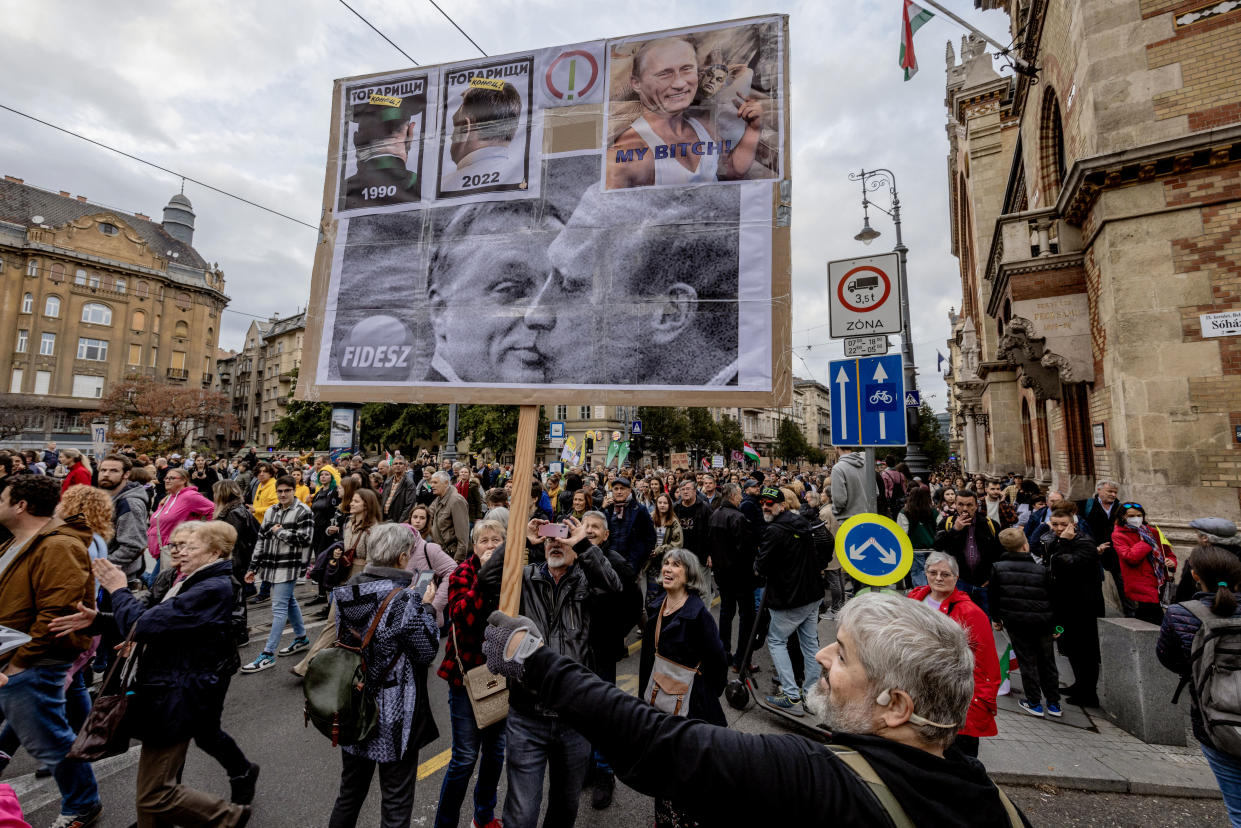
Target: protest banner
column 482, row 243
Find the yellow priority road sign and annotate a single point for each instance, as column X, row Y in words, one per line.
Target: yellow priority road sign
column 874, row 550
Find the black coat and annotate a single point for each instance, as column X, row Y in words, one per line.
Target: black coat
column 695, row 520
column 1093, row 513
column 690, row 638
column 1020, row 594
column 951, row 539
column 737, row 778
column 187, row 659
column 787, row 560
column 733, row 547
column 1076, row 578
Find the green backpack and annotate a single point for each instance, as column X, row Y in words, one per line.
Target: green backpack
column 338, row 702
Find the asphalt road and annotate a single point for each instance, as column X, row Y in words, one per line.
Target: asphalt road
column 301, row 770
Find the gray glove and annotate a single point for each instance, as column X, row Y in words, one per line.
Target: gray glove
column 500, row 631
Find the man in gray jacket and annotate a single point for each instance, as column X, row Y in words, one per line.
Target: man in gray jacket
column 449, row 522
column 851, row 483
column 130, row 512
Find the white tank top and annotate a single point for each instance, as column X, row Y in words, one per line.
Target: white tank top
column 670, row 170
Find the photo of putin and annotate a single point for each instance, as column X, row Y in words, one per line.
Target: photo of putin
column 483, row 129
column 386, row 128
column 666, row 144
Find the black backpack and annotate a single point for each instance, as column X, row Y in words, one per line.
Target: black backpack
column 1215, row 676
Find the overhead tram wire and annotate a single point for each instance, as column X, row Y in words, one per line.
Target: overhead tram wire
column 458, row 28
column 182, row 176
column 384, row 36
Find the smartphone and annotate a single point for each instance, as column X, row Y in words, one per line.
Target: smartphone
column 553, row 530
column 422, row 579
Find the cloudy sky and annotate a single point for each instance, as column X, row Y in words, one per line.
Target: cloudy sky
column 238, row 95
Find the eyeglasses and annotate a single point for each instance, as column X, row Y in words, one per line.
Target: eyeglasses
column 284, row 491
column 939, row 576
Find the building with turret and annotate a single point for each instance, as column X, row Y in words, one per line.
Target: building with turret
column 1096, row 216
column 90, row 295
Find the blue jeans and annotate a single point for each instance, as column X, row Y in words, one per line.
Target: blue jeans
column 978, row 595
column 468, row 742
column 283, row 608
column 33, row 703
column 784, row 622
column 1227, row 770
column 918, row 571
column 534, row 743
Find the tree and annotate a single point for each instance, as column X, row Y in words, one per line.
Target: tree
column 663, row 429
column 731, row 435
column 791, row 444
column 306, row 425
column 157, row 417
column 387, row 426
column 933, row 444
column 702, row 435
column 19, row 412
column 493, row 427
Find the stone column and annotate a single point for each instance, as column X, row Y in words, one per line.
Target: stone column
column 980, row 440
column 971, row 443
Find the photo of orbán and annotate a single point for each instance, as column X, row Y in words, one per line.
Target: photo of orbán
column 581, row 287
column 695, row 108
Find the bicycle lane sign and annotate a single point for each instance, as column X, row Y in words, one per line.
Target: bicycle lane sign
column 868, row 401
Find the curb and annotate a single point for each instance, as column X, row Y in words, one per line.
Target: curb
column 1104, row 785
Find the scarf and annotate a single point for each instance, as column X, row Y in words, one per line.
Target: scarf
column 1156, row 555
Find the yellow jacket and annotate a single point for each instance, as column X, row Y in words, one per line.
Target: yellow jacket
column 264, row 499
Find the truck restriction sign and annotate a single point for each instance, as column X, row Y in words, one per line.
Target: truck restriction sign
column 864, row 296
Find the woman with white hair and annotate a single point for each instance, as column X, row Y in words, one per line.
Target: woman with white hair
column 405, row 641
column 682, row 630
column 942, row 595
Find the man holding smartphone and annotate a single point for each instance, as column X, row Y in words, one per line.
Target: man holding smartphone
column 971, row 538
column 556, row 594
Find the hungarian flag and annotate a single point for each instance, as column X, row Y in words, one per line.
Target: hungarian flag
column 750, row 453
column 1008, row 663
column 912, row 18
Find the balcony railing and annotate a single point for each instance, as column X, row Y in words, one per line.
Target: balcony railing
column 207, row 379
column 178, row 374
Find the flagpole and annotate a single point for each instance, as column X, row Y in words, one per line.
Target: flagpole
column 1004, row 50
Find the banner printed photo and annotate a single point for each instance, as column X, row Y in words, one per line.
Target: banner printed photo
column 488, row 142
column 384, row 128
column 550, row 292
column 695, row 107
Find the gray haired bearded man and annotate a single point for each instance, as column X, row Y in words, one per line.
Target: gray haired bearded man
column 896, row 686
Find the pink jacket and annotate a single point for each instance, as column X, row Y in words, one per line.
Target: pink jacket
column 187, row 504
column 10, row 809
column 426, row 555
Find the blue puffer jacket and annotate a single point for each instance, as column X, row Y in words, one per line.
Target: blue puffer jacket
column 1176, row 638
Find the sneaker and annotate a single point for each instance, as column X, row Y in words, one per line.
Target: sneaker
column 260, row 599
column 295, row 646
column 783, row 702
column 601, row 798
column 242, row 787
column 1054, row 710
column 43, row 772
column 79, row 820
column 1032, row 709
column 495, row 823
column 261, row 662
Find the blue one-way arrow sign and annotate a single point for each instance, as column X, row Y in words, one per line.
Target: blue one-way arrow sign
column 868, row 397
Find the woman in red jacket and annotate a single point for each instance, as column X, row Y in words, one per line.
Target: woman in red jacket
column 1146, row 561
column 942, row 595
column 78, row 466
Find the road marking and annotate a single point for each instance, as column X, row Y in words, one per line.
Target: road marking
column 434, row 764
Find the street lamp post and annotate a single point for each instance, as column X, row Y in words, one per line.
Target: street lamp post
column 871, row 181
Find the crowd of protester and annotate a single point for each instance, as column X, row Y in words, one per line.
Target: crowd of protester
column 106, row 557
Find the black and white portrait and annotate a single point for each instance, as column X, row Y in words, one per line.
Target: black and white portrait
column 486, row 130
column 381, row 145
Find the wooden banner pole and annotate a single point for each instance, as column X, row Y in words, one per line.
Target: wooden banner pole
column 519, row 509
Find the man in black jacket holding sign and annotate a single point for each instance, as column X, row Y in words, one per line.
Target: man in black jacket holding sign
column 897, row 686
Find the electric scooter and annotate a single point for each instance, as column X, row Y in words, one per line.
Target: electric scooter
column 741, row 690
